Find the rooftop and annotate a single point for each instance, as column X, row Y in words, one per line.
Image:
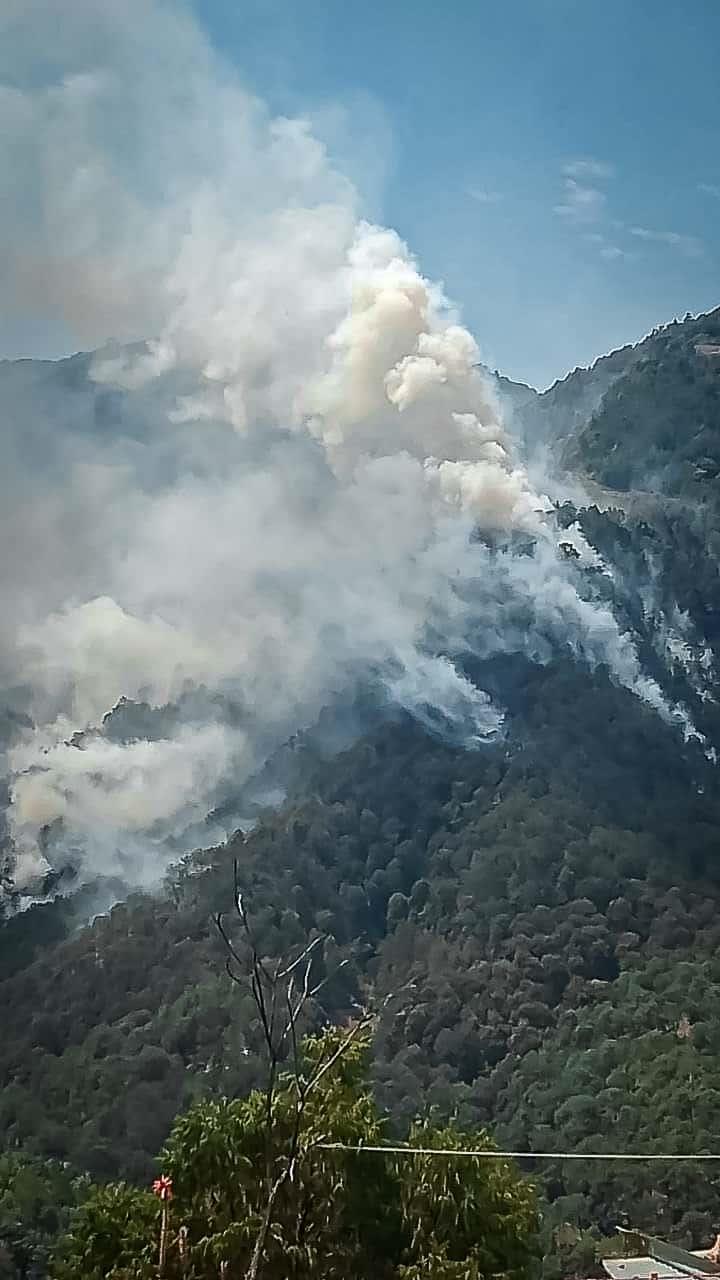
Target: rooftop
column 642, row 1268
column 661, row 1261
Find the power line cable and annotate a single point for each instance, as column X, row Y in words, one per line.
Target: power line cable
column 515, row 1155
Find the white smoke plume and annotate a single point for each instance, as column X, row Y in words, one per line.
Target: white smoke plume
column 274, row 490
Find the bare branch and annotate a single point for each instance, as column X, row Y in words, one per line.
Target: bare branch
column 312, row 946
column 361, row 1025
column 281, row 992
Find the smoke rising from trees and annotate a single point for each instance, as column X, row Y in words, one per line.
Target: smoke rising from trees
column 284, row 473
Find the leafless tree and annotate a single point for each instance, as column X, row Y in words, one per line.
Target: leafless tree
column 283, row 991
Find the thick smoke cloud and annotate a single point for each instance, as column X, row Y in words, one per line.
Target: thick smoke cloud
column 273, row 491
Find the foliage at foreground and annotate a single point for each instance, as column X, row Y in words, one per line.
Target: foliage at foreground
column 35, row 1202
column 339, row 1215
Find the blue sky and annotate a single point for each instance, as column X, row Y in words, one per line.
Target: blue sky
column 555, row 162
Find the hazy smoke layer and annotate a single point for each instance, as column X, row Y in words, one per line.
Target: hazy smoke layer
column 276, row 494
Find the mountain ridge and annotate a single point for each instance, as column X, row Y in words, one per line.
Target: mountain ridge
column 547, row 901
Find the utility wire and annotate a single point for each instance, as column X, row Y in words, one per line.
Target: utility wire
column 511, row 1155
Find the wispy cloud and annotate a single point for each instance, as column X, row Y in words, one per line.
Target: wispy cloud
column 483, row 196
column 689, row 245
column 580, row 203
column 607, row 250
column 588, row 168
column 584, row 205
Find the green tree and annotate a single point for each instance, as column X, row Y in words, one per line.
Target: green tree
column 35, row 1200
column 342, row 1215
column 469, row 1217
column 114, row 1235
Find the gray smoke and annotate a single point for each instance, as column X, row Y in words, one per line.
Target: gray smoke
column 276, row 492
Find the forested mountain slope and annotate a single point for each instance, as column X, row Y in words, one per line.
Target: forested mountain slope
column 643, row 417
column 658, row 425
column 537, row 915
column 552, row 897
column 554, row 415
